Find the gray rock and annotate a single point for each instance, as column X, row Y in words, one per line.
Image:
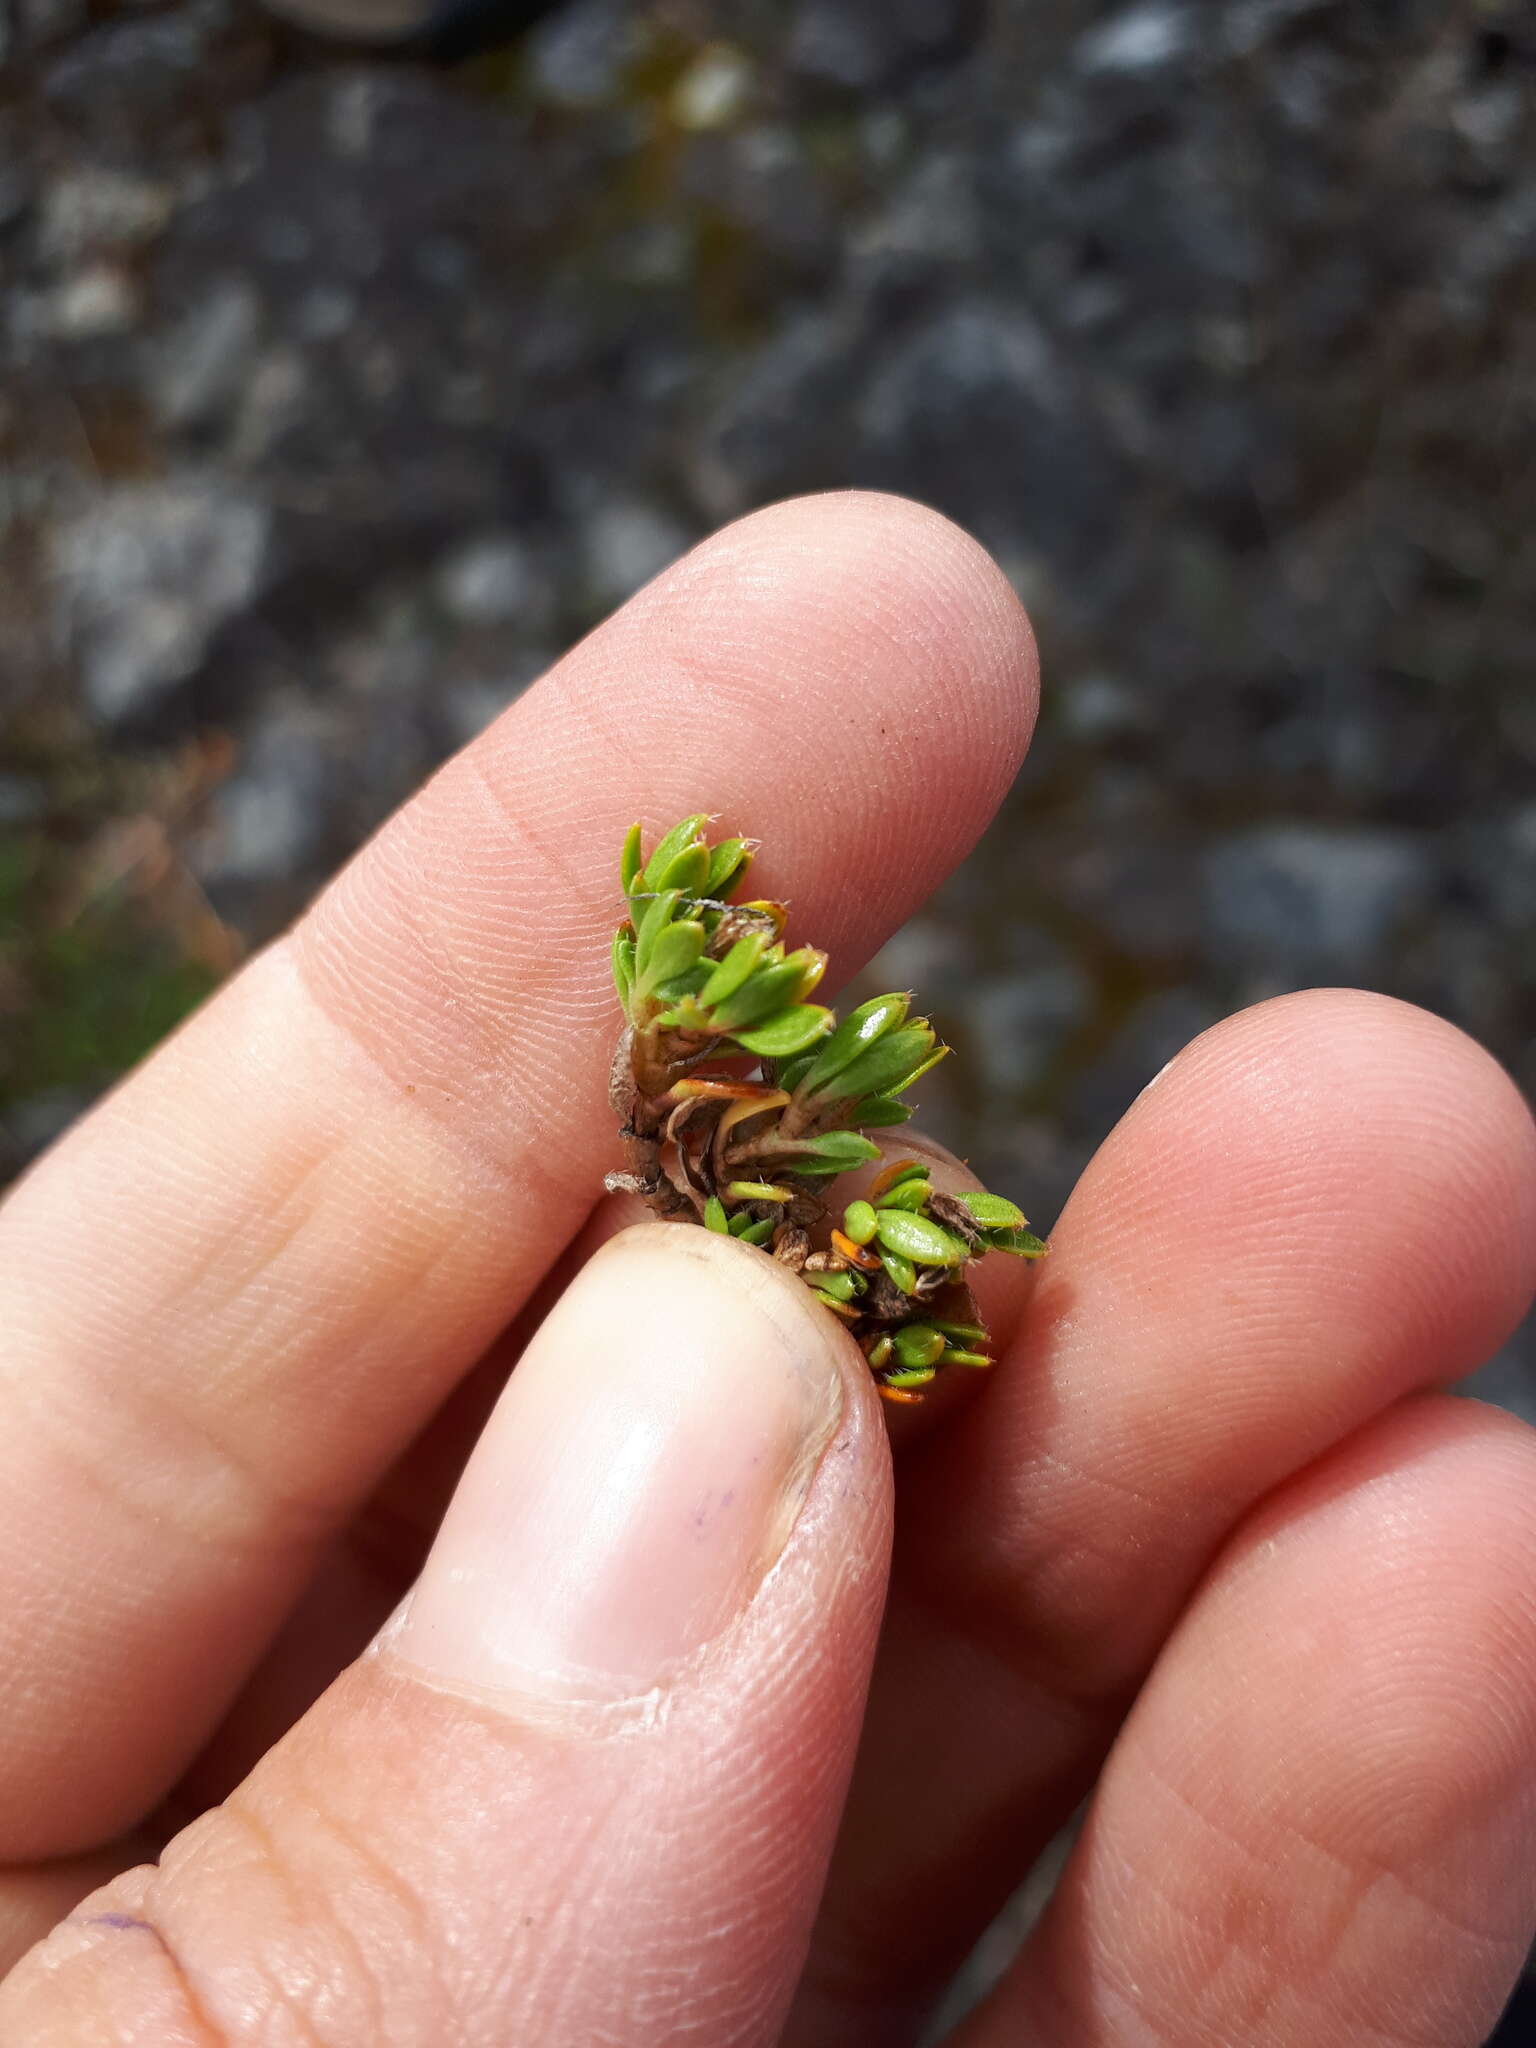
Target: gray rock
column 985, row 377
column 1139, row 41
column 203, row 360
column 1021, row 1022
column 1295, row 899
column 579, row 56
column 98, row 300
column 94, row 208
column 22, row 800
column 625, row 543
column 929, row 230
column 787, row 417
column 856, row 46
column 488, row 580
column 143, row 579
column 276, row 813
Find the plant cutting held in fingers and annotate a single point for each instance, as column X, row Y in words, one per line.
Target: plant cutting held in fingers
column 741, row 1101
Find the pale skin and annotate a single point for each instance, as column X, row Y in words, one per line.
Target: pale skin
column 1212, row 1543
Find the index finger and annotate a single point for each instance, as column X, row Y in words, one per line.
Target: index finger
column 239, row 1288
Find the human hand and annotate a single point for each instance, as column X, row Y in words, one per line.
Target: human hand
column 1209, row 1535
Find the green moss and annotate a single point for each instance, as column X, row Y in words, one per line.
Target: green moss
column 81, row 1000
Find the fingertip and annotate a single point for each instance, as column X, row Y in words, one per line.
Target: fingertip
column 1349, row 1130
column 888, row 637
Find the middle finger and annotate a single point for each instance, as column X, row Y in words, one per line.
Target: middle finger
column 1323, row 1203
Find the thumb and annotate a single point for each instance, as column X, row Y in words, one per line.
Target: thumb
column 584, row 1786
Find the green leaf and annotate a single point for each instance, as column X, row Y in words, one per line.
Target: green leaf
column 992, row 1212
column 675, row 951
column 688, row 872
column 887, row 1066
column 970, row 1333
column 879, row 1112
column 858, row 1222
column 741, row 1223
column 789, row 1073
column 878, row 1353
column 792, row 1030
column 756, row 1191
column 623, row 967
column 909, row 1376
column 918, row 1345
column 918, row 1238
column 727, row 975
column 630, row 860
column 653, row 922
column 727, row 864
column 1022, row 1243
column 973, row 1358
column 682, row 836
column 758, row 1233
column 901, row 1269
column 680, row 991
column 841, row 1286
column 907, row 1194
column 715, row 1217
column 833, row 1152
column 771, row 988
column 914, row 1169
column 858, row 1030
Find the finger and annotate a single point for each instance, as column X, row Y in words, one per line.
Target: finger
column 584, row 1788
column 236, row 1292
column 1319, row 1823
column 1322, row 1204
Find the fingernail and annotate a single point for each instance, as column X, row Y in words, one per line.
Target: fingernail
column 638, row 1478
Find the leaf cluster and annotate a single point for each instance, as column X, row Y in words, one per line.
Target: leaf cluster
column 740, row 1097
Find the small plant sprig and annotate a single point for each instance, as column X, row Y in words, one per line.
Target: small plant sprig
column 740, row 1100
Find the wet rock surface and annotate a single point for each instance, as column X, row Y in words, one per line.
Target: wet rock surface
column 338, row 393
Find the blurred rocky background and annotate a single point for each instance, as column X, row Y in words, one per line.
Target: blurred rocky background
column 338, row 389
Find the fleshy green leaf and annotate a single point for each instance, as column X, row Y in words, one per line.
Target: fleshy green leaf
column 858, row 1030
column 841, row 1286
column 771, row 988
column 908, row 1194
column 756, row 1191
column 653, row 922
column 992, row 1212
column 833, row 1152
column 682, row 836
column 858, row 1222
column 901, row 1269
column 879, row 1112
column 971, row 1358
column 918, row 1345
column 624, row 967
column 677, row 949
column 715, row 1217
column 1022, row 1243
column 918, row 1238
column 727, row 864
column 758, row 1233
column 885, row 1067
column 688, row 872
column 910, row 1376
column 630, row 860
column 792, row 1030
column 678, row 990
column 899, row 1172
column 789, row 1073
column 727, row 975
column 970, row 1333
column 741, row 1223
